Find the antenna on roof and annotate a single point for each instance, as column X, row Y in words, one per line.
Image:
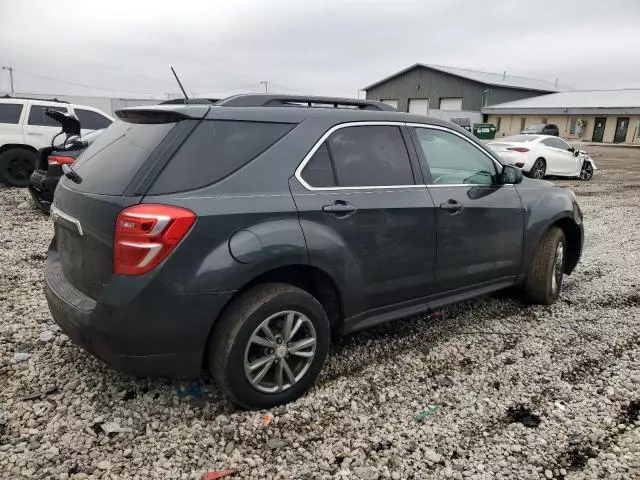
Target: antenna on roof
column 180, row 84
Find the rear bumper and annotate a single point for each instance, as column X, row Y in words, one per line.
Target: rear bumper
column 160, row 333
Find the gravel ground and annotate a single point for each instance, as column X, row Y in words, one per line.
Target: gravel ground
column 506, row 390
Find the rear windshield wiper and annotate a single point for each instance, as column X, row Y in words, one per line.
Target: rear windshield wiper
column 71, row 174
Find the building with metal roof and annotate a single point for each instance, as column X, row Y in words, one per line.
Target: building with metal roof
column 592, row 115
column 453, row 93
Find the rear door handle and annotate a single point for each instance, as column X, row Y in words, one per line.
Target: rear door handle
column 340, row 209
column 452, row 206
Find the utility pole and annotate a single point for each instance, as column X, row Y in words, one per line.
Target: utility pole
column 10, row 69
column 266, row 86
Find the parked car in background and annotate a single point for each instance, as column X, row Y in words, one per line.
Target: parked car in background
column 542, row 129
column 24, row 129
column 45, row 177
column 543, row 155
column 240, row 238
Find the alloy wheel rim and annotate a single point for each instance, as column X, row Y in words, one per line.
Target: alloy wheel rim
column 280, row 351
column 538, row 171
column 586, row 172
column 558, row 267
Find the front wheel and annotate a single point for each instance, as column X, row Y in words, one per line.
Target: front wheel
column 544, row 278
column 539, row 169
column 269, row 346
column 586, row 172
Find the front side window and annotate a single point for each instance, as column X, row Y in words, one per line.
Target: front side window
column 37, row 116
column 91, row 120
column 10, row 113
column 453, row 160
column 366, row 156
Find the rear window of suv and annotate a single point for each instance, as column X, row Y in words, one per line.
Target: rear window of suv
column 109, row 164
column 215, row 150
column 10, row 112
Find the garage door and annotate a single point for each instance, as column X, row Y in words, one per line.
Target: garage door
column 451, row 104
column 391, row 103
column 419, row 106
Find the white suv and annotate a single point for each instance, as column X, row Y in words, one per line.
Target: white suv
column 24, row 128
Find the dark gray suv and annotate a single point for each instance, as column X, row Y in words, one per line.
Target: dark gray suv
column 238, row 237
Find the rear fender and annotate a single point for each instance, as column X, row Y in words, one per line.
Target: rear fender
column 234, row 259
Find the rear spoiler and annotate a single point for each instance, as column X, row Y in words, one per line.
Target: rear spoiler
column 162, row 114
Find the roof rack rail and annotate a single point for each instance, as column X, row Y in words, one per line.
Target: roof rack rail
column 274, row 100
column 18, row 97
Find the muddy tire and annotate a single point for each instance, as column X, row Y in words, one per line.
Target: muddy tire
column 544, row 278
column 16, row 166
column 269, row 345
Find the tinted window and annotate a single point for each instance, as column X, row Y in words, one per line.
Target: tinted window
column 114, row 157
column 318, row 172
column 91, row 120
column 215, row 150
column 37, row 116
column 370, row 156
column 10, row 112
column 453, row 160
column 555, row 143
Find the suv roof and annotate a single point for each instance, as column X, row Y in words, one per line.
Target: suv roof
column 283, row 108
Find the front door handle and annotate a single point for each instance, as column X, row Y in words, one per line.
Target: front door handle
column 340, row 209
column 452, row 206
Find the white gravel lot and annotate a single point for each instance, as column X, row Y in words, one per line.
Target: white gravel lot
column 574, row 366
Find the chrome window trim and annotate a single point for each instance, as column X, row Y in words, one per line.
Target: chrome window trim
column 56, row 212
column 318, row 144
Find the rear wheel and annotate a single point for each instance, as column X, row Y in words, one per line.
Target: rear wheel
column 269, row 345
column 544, row 279
column 16, row 166
column 539, row 169
column 586, row 172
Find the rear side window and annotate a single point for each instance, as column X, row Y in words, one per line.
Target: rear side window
column 215, row 150
column 37, row 116
column 10, row 113
column 319, row 171
column 115, row 156
column 91, row 120
column 366, row 156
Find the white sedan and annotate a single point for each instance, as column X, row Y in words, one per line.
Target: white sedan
column 542, row 155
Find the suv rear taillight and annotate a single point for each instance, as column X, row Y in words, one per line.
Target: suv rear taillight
column 145, row 234
column 60, row 160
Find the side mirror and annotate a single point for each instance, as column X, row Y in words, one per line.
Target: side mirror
column 511, row 175
column 571, row 149
column 576, row 152
column 69, row 123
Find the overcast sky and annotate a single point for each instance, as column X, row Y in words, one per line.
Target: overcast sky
column 308, row 46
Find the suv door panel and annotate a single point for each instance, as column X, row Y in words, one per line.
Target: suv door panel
column 480, row 226
column 380, row 241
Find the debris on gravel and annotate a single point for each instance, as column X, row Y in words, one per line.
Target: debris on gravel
column 572, row 368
